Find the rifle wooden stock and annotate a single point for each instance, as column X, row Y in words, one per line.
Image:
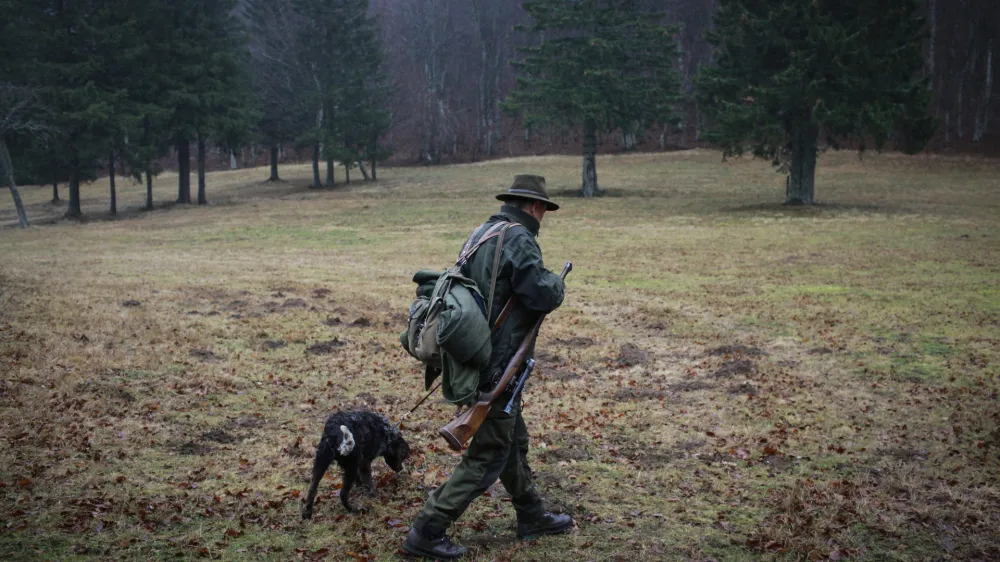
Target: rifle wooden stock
column 460, row 430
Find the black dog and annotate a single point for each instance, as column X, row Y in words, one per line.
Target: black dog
column 355, row 439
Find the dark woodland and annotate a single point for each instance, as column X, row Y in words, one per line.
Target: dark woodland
column 131, row 88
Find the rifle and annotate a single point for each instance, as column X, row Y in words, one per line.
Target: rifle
column 528, row 367
column 460, row 430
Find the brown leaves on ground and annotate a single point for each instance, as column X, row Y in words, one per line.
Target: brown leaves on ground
column 707, row 391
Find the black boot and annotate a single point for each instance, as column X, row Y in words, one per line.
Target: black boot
column 547, row 524
column 435, row 546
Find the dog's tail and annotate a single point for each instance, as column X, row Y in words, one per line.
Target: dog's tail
column 346, row 442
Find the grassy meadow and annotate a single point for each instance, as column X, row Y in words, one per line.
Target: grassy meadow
column 728, row 379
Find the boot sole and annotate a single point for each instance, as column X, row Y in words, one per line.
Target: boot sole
column 414, row 551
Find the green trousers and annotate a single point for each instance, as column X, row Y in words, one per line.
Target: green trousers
column 498, row 450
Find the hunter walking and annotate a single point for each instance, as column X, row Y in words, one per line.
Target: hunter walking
column 523, row 291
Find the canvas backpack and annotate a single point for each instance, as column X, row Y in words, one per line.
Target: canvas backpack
column 448, row 326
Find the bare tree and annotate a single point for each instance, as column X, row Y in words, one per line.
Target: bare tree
column 19, row 111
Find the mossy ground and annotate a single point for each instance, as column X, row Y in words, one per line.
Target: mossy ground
column 728, row 378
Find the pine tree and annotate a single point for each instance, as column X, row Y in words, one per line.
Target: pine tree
column 19, row 105
column 277, row 77
column 338, row 52
column 225, row 113
column 787, row 72
column 602, row 64
column 197, row 64
column 364, row 95
column 72, row 67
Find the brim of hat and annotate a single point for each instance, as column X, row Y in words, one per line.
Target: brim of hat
column 549, row 205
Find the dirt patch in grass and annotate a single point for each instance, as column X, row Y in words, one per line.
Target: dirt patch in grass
column 575, row 342
column 294, row 303
column 738, row 349
column 274, row 344
column 904, row 454
column 360, row 322
column 205, row 356
column 245, row 422
column 558, row 374
column 325, row 347
column 691, row 386
column 218, row 436
column 745, row 389
column 630, row 355
column 110, row 391
column 366, row 399
column 734, row 368
column 194, row 448
column 567, row 454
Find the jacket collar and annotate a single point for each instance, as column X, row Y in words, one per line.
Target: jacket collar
column 512, row 213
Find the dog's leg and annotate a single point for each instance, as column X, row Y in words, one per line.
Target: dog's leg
column 350, row 466
column 324, row 456
column 366, row 476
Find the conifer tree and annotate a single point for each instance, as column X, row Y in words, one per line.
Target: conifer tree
column 72, row 69
column 337, row 50
column 364, row 94
column 197, row 69
column 276, row 75
column 787, row 72
column 602, row 64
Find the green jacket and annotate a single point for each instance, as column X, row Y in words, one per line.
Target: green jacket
column 522, row 275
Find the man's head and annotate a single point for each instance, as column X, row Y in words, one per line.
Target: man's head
column 534, row 208
column 528, row 193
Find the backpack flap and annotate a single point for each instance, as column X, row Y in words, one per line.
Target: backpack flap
column 462, row 329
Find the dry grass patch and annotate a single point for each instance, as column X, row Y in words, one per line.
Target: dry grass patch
column 727, row 379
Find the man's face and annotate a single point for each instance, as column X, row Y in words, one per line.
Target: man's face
column 537, row 210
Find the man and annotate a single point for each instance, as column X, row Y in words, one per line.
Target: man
column 500, row 447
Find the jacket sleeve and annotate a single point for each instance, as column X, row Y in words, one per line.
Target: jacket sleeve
column 536, row 287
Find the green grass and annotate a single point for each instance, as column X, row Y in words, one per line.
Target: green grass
column 859, row 421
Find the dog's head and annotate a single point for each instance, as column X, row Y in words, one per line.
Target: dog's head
column 397, row 452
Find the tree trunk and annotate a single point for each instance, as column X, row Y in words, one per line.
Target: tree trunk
column 7, row 166
column 202, row 200
column 347, row 174
column 800, row 186
column 316, row 182
column 590, row 187
column 364, row 172
column 73, row 210
column 111, row 183
column 274, row 164
column 183, row 169
column 983, row 114
column 374, row 177
column 55, row 184
column 330, row 180
column 149, row 188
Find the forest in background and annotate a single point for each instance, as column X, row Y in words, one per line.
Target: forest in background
column 449, row 63
column 443, row 70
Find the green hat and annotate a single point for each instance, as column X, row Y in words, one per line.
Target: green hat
column 527, row 186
